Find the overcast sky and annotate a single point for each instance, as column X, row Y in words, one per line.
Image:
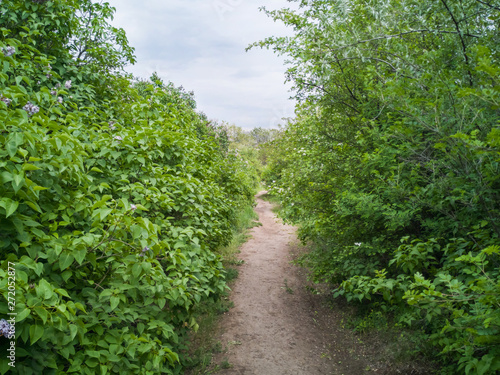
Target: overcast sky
column 200, row 44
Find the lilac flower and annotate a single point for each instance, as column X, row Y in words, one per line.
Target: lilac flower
column 5, row 100
column 9, row 51
column 67, row 84
column 5, row 328
column 60, row 99
column 53, row 92
column 143, row 251
column 31, row 108
column 118, row 138
column 133, row 207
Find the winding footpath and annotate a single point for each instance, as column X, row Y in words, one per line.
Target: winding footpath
column 276, row 326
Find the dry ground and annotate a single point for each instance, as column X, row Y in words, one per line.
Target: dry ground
column 276, row 326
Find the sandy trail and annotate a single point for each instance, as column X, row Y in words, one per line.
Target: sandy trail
column 276, row 327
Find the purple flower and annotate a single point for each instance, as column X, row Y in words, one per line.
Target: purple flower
column 5, row 100
column 53, row 92
column 118, row 138
column 67, row 84
column 143, row 251
column 133, row 207
column 31, row 108
column 9, row 51
column 60, row 99
column 5, row 328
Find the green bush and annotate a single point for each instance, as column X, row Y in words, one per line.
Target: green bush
column 391, row 167
column 111, row 203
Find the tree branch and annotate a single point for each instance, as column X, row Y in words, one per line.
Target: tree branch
column 464, row 48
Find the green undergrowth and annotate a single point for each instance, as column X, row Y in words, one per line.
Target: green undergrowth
column 392, row 348
column 115, row 194
column 391, row 166
column 274, row 199
column 204, row 344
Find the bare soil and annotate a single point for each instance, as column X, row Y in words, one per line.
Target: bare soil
column 277, row 327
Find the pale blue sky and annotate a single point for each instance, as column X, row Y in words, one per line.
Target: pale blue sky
column 200, row 44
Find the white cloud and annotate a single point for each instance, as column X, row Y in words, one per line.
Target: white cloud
column 200, row 44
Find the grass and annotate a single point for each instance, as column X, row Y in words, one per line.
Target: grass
column 203, row 343
column 287, row 288
column 246, row 218
column 274, row 200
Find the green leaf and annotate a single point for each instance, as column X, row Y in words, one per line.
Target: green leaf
column 22, row 315
column 80, row 307
column 114, row 301
column 62, row 292
column 146, row 266
column 136, row 269
column 73, row 329
column 80, row 255
column 44, row 289
column 104, row 212
column 18, row 181
column 9, row 205
column 136, row 231
column 36, row 332
column 34, row 206
column 65, row 260
column 42, row 313
column 30, row 167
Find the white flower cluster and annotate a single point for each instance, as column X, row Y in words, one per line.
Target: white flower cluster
column 5, row 100
column 67, row 84
column 9, row 51
column 5, row 328
column 31, row 108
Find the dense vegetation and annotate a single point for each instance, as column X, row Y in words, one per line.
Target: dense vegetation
column 392, row 166
column 114, row 195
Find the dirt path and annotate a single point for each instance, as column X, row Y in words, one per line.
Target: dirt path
column 276, row 327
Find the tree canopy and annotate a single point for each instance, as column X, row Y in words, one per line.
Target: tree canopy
column 391, row 166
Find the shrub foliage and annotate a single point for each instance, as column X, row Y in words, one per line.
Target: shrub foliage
column 114, row 195
column 392, row 165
